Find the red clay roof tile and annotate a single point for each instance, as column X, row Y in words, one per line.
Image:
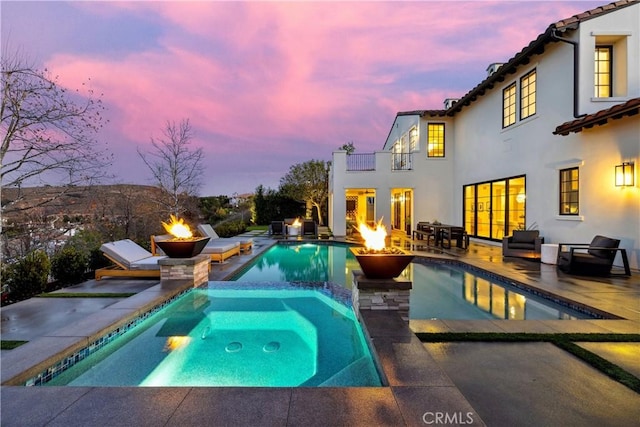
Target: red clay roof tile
column 629, row 108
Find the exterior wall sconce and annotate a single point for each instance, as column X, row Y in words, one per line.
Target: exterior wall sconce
column 624, row 175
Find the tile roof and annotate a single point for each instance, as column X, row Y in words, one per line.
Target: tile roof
column 536, row 47
column 575, row 20
column 629, row 108
column 422, row 113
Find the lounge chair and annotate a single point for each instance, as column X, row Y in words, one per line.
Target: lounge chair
column 246, row 243
column 276, row 228
column 309, row 228
column 217, row 249
column 592, row 259
column 129, row 259
column 523, row 243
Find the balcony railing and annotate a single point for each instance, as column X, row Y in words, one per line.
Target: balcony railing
column 401, row 161
column 361, row 162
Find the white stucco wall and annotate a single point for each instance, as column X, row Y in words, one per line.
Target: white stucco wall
column 478, row 149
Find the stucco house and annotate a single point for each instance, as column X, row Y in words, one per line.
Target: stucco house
column 537, row 144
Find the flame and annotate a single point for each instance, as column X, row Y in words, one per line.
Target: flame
column 296, row 223
column 176, row 342
column 373, row 238
column 177, row 228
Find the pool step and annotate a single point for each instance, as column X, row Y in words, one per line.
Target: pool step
column 357, row 373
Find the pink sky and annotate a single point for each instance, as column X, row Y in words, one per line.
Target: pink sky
column 267, row 85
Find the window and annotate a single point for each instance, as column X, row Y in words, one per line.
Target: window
column 603, row 71
column 435, row 140
column 528, row 95
column 413, row 139
column 509, row 105
column 569, row 191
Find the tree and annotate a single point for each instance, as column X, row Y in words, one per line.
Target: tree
column 48, row 135
column 308, row 181
column 348, row 147
column 47, row 131
column 175, row 168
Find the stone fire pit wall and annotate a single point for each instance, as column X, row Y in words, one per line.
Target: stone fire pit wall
column 194, row 269
column 381, row 294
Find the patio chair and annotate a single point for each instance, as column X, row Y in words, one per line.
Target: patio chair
column 591, row 259
column 424, row 231
column 523, row 244
column 276, row 228
column 129, row 259
column 208, row 231
column 458, row 234
column 309, row 227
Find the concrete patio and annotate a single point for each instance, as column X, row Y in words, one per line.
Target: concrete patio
column 471, row 383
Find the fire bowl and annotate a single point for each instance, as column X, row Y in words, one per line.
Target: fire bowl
column 183, row 248
column 385, row 264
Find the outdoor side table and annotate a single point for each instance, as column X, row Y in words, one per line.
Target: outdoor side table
column 549, row 253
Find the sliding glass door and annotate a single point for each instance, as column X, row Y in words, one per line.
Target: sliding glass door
column 494, row 209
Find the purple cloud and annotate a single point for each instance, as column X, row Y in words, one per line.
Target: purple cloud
column 269, row 84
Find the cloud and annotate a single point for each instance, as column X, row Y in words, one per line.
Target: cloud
column 264, row 83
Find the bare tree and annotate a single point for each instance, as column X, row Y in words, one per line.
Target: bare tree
column 48, row 135
column 175, row 168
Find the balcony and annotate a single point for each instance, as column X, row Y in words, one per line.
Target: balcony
column 364, row 162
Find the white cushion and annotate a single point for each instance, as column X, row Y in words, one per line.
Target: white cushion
column 125, row 251
column 242, row 240
column 208, row 231
column 150, row 263
column 216, row 247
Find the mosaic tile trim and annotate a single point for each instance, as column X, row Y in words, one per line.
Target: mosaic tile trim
column 331, row 290
column 69, row 361
column 485, row 274
column 334, row 291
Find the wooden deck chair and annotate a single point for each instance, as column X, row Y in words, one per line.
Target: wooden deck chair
column 129, row 259
column 246, row 243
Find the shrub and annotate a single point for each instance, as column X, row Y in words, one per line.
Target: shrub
column 69, row 265
column 27, row 276
column 88, row 242
column 232, row 228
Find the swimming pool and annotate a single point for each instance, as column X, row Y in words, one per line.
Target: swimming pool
column 230, row 336
column 302, row 262
column 441, row 290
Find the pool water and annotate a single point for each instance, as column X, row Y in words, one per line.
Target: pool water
column 440, row 290
column 306, row 262
column 236, row 337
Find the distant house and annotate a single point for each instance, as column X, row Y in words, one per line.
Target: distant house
column 535, row 145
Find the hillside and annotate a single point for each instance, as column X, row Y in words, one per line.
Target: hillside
column 102, row 200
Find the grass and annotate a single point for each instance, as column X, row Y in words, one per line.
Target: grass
column 257, row 227
column 564, row 341
column 10, row 345
column 86, row 295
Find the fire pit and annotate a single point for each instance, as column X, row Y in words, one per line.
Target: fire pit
column 376, row 260
column 182, row 244
column 182, row 248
